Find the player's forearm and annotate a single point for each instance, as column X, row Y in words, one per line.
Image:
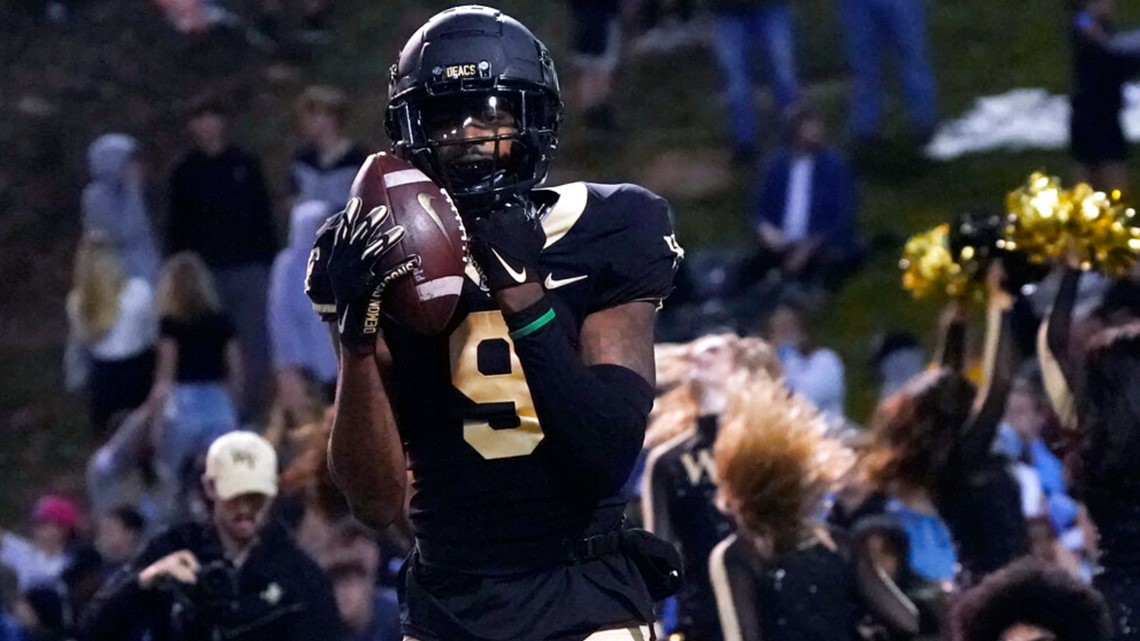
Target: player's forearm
column 594, row 416
column 365, row 453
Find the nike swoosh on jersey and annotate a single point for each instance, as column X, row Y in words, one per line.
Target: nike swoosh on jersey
column 519, row 277
column 551, row 283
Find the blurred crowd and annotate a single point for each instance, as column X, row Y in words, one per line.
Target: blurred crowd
column 991, row 490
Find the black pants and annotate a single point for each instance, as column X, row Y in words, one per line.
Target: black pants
column 117, row 386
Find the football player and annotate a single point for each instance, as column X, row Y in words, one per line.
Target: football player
column 523, row 419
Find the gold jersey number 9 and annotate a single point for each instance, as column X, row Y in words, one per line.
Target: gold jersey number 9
column 509, row 387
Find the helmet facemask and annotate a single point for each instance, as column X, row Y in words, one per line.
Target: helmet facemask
column 483, row 146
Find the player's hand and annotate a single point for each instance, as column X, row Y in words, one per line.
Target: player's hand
column 357, row 280
column 182, row 566
column 317, row 285
column 506, row 245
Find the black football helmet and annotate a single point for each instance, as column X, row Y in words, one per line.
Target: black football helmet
column 473, row 102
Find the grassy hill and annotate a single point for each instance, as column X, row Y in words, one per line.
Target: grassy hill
column 118, row 67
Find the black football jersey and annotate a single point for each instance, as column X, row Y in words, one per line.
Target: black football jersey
column 486, row 494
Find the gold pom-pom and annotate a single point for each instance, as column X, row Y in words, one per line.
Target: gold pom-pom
column 930, row 269
column 1047, row 222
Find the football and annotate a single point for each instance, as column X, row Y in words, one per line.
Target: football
column 425, row 301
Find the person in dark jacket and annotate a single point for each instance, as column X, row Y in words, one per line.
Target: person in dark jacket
column 804, row 209
column 1103, row 60
column 239, row 576
column 220, row 209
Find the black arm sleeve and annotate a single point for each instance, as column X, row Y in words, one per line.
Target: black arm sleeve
column 978, row 433
column 594, row 417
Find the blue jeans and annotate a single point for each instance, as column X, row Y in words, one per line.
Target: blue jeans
column 736, row 31
column 872, row 26
column 194, row 415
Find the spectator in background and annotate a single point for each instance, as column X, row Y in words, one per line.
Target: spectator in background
column 119, row 535
column 114, row 203
column 739, row 26
column 370, row 612
column 597, row 49
column 325, row 166
column 113, row 328
column 55, row 526
column 897, row 358
column 781, row 577
column 805, row 207
column 315, row 18
column 219, row 209
column 816, row 373
column 263, row 586
column 1021, row 437
column 871, row 27
column 678, row 499
column 1103, row 60
column 303, row 359
column 1030, row 601
column 198, row 378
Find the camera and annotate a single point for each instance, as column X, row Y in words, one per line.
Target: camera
column 217, row 585
column 201, row 607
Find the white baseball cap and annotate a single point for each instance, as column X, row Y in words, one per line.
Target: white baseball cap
column 242, row 463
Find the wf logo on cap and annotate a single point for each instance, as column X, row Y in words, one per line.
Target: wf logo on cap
column 244, row 457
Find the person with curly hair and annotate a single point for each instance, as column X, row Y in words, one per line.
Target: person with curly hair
column 781, row 576
column 1031, row 601
column 930, row 467
column 678, row 500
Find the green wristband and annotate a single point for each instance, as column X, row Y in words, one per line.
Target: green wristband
column 534, row 325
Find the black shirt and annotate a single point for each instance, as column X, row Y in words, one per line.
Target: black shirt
column 201, row 346
column 219, row 208
column 807, row 594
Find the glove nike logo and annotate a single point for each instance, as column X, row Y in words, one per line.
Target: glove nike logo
column 519, row 277
column 340, row 321
column 555, row 284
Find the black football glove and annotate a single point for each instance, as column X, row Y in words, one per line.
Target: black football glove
column 506, row 245
column 317, row 285
column 357, row 280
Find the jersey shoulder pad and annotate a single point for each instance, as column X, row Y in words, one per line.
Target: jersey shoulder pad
column 640, row 246
column 317, row 285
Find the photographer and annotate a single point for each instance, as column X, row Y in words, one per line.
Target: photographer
column 239, row 576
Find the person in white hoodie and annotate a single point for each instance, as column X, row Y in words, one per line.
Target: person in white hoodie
column 114, row 206
column 302, row 355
